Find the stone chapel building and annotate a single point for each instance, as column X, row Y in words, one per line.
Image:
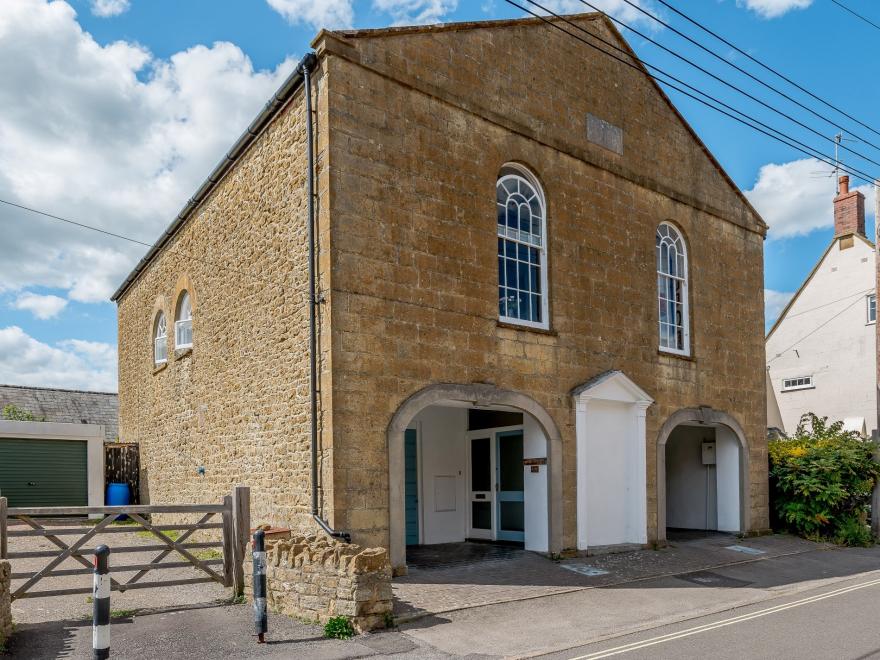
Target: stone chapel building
column 538, row 305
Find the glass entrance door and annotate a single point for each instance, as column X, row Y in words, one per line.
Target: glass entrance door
column 481, row 487
column 509, row 482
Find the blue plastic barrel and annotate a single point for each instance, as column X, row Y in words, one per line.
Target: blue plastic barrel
column 118, row 495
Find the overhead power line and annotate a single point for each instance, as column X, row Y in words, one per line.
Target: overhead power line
column 765, row 66
column 727, row 83
column 733, row 65
column 743, row 118
column 856, row 14
column 814, row 331
column 121, row 237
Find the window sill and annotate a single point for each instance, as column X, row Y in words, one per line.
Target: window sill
column 527, row 328
column 159, row 367
column 676, row 356
column 797, row 389
column 182, row 353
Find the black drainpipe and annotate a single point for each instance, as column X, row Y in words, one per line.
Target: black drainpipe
column 309, row 62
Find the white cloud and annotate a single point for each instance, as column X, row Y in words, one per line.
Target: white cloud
column 107, row 8
column 416, row 12
column 317, row 13
column 774, row 303
column 773, row 8
column 794, row 202
column 73, row 363
column 43, row 307
column 107, row 135
column 616, row 8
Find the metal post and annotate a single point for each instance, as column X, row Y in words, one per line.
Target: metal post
column 261, row 623
column 101, row 600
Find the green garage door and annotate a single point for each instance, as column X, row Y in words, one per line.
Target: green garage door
column 44, row 472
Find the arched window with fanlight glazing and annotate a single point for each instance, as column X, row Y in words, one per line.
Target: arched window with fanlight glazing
column 160, row 339
column 672, row 290
column 522, row 248
column 183, row 332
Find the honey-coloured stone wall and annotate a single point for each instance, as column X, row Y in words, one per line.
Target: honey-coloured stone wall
column 316, row 579
column 233, row 410
column 421, row 122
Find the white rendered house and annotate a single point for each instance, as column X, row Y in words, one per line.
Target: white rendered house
column 821, row 352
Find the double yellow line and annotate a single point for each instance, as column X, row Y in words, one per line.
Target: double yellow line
column 662, row 639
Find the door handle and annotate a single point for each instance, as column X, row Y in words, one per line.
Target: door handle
column 32, row 483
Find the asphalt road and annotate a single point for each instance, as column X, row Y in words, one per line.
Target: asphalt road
column 840, row 622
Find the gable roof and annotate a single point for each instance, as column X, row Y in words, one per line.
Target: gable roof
column 809, row 278
column 294, row 82
column 610, row 385
column 379, row 33
column 65, row 406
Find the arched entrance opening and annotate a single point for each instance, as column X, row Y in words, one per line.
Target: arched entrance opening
column 702, row 470
column 473, row 462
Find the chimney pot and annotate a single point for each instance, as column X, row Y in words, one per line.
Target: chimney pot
column 844, row 185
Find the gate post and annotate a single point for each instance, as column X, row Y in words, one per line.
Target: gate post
column 241, row 514
column 3, row 528
column 261, row 624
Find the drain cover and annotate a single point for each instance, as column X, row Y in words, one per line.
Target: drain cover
column 583, row 569
column 744, row 548
column 710, row 579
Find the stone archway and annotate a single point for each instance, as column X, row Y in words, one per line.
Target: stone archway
column 477, row 395
column 702, row 416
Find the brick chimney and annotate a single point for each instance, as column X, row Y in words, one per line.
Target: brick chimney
column 849, row 210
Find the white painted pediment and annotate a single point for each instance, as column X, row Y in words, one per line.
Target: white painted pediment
column 612, row 386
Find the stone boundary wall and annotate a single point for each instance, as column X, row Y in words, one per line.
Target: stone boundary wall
column 317, row 578
column 5, row 602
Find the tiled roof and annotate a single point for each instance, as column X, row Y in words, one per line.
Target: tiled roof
column 68, row 406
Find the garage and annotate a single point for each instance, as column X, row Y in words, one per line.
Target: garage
column 46, row 464
column 38, row 472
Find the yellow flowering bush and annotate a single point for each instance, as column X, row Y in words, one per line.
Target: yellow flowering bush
column 821, row 481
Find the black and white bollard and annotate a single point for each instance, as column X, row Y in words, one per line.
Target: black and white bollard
column 101, row 600
column 261, row 622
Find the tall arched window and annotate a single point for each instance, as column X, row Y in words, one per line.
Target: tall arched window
column 183, row 333
column 522, row 248
column 672, row 283
column 160, row 340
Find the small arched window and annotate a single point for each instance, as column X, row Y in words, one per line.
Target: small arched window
column 183, row 333
column 160, row 340
column 522, row 248
column 672, row 294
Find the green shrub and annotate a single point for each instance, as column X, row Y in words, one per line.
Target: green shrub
column 339, row 627
column 822, row 480
column 15, row 414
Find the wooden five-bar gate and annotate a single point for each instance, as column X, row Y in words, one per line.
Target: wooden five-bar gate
column 231, row 518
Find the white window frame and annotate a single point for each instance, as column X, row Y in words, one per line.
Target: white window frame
column 797, row 383
column 514, row 171
column 869, row 299
column 160, row 340
column 685, row 303
column 181, row 323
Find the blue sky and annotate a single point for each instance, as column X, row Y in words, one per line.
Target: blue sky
column 87, row 83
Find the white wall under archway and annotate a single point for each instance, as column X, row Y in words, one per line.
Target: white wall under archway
column 732, row 471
